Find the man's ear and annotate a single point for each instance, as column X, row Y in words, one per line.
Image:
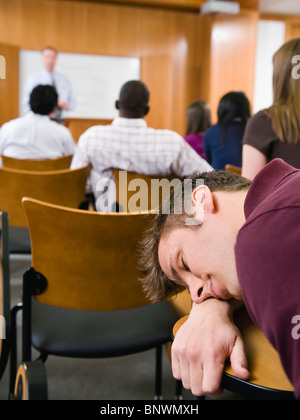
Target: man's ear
column 202, row 202
column 117, row 104
column 147, row 109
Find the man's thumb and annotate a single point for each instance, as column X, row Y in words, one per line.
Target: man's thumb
column 238, row 360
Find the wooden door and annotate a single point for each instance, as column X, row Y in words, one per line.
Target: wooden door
column 9, row 82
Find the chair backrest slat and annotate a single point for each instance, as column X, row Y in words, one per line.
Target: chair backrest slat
column 232, row 168
column 57, row 164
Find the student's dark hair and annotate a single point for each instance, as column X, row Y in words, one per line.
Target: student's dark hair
column 43, row 99
column 234, row 106
column 134, row 98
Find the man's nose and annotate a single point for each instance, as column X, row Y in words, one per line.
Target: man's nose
column 198, row 291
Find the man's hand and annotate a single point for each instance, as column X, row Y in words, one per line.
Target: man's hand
column 63, row 104
column 203, row 344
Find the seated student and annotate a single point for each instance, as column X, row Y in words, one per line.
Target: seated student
column 223, row 141
column 275, row 132
column 231, row 240
column 35, row 136
column 198, row 121
column 128, row 144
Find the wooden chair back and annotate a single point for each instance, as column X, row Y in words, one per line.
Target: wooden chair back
column 88, row 258
column 138, row 192
column 57, row 164
column 232, row 168
column 65, row 187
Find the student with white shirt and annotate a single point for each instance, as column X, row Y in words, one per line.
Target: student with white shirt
column 48, row 76
column 35, row 136
column 130, row 145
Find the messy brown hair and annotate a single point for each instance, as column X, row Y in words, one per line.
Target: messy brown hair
column 156, row 284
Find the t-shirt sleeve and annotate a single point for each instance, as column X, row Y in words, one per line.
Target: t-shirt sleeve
column 268, row 268
column 259, row 133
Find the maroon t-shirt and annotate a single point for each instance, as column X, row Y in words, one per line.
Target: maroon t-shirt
column 268, row 261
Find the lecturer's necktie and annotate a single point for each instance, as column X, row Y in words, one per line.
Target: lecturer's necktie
column 56, row 114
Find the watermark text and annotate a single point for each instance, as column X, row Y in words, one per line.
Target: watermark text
column 296, row 328
column 137, row 195
column 2, row 328
column 2, row 67
column 296, row 68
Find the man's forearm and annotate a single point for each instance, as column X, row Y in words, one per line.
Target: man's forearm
column 203, row 344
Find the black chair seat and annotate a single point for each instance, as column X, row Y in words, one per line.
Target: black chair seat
column 89, row 334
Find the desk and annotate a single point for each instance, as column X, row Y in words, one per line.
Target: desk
column 268, row 379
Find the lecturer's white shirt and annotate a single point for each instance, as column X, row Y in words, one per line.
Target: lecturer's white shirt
column 35, row 136
column 62, row 85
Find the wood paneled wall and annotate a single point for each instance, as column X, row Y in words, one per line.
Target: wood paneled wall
column 190, row 5
column 156, row 36
column 292, row 28
column 232, row 56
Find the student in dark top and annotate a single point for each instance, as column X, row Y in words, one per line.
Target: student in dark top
column 223, row 141
column 275, row 131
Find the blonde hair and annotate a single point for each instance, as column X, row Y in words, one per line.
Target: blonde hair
column 285, row 111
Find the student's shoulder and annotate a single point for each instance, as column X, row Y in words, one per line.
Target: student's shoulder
column 211, row 132
column 56, row 128
column 260, row 118
column 167, row 133
column 96, row 129
column 12, row 123
column 95, row 132
column 259, row 128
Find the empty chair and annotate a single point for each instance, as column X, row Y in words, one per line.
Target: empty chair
column 57, row 164
column 82, row 297
column 65, row 187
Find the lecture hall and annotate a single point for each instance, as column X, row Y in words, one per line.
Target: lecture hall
column 109, row 109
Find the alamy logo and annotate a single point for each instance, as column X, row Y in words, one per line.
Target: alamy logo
column 296, row 329
column 141, row 199
column 296, row 68
column 2, row 328
column 2, row 67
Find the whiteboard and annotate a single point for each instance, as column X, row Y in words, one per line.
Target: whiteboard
column 96, row 80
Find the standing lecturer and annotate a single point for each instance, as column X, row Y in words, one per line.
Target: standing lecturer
column 47, row 76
